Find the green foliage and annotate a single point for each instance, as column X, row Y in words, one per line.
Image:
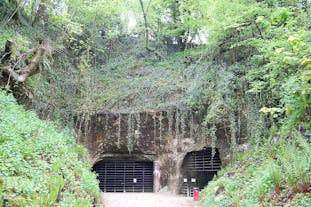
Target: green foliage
column 256, row 128
column 253, row 77
column 41, row 165
column 282, row 172
column 276, row 35
column 23, row 41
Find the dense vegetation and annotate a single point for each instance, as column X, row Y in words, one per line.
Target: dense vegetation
column 268, row 44
column 41, row 165
column 274, row 174
column 241, row 64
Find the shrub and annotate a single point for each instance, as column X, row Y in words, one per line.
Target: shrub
column 40, row 164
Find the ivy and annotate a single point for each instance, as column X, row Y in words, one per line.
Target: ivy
column 119, row 131
column 129, row 136
column 38, row 159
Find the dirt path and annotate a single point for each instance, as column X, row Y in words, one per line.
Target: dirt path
column 147, row 200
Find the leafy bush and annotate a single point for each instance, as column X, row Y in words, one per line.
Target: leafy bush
column 41, row 165
column 281, row 177
column 276, row 172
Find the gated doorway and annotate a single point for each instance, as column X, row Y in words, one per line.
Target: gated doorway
column 125, row 176
column 199, row 167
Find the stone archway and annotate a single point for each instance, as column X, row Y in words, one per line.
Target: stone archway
column 160, row 137
column 124, row 175
column 198, row 168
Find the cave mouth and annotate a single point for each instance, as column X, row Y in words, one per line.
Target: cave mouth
column 199, row 167
column 124, row 175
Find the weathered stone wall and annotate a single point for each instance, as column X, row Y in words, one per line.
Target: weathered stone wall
column 162, row 136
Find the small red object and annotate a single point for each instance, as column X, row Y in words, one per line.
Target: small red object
column 195, row 194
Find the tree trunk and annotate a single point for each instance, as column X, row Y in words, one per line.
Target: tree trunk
column 145, row 23
column 149, row 49
column 41, row 13
column 31, row 66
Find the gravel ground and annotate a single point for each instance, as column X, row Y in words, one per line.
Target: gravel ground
column 147, row 200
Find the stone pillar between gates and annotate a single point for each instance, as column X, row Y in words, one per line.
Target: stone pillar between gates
column 157, row 176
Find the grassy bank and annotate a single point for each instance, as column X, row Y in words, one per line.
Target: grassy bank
column 40, row 164
column 276, row 173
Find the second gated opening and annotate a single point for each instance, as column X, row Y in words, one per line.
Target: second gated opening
column 199, row 167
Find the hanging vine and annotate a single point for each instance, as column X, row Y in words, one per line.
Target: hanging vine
column 177, row 123
column 154, row 127
column 106, row 122
column 133, row 127
column 233, row 131
column 129, row 137
column 160, row 126
column 239, row 132
column 205, row 133
column 138, row 131
column 256, row 128
column 107, row 126
column 119, row 131
column 191, row 125
column 183, row 118
column 170, row 118
column 146, row 117
column 212, row 131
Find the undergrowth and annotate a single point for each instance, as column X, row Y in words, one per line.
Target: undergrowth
column 41, row 165
column 277, row 173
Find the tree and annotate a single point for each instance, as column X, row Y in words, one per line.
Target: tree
column 19, row 67
column 144, row 12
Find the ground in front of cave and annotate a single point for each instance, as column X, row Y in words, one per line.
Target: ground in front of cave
column 147, row 200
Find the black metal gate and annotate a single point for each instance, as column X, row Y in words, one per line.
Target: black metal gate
column 199, row 167
column 125, row 176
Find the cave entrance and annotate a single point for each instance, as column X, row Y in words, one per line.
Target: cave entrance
column 199, row 167
column 125, row 176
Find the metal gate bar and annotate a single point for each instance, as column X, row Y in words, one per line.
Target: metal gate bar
column 125, row 176
column 199, row 167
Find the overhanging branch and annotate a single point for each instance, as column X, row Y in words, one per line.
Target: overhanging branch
column 31, row 68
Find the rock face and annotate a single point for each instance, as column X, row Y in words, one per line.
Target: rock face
column 164, row 137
